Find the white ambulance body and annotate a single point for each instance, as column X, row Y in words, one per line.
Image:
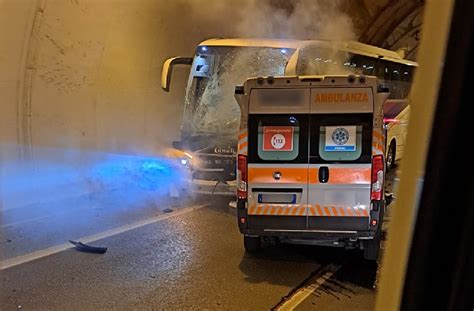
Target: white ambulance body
column 311, row 161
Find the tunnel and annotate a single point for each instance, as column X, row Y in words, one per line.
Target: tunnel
column 207, row 154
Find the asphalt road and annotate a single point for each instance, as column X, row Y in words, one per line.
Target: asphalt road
column 192, row 259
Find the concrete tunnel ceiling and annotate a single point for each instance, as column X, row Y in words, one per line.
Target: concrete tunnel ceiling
column 391, row 24
column 395, row 25
column 85, row 74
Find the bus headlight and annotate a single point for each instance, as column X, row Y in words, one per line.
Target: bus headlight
column 187, row 159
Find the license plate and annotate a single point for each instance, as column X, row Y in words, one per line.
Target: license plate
column 277, row 198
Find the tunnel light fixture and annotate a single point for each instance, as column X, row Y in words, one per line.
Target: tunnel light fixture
column 390, row 120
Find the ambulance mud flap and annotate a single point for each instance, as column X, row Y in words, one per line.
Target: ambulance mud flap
column 376, row 217
column 242, row 216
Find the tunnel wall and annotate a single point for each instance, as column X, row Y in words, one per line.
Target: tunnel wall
column 85, row 75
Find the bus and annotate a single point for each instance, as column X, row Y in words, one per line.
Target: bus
column 210, row 122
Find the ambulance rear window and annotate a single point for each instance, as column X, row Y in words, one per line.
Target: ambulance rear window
column 341, row 138
column 278, row 138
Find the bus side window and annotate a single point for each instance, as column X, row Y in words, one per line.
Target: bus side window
column 395, row 77
column 362, row 64
column 368, row 65
column 383, row 71
column 406, row 77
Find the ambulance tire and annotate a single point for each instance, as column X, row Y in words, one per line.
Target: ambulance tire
column 252, row 244
column 372, row 249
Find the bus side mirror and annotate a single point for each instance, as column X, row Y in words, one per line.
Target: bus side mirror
column 168, row 70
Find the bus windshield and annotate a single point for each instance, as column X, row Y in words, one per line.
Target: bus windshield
column 210, row 107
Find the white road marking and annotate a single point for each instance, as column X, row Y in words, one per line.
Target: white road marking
column 11, row 262
column 308, row 288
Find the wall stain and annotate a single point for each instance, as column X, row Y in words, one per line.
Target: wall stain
column 60, row 48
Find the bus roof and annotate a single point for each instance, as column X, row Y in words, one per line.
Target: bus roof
column 348, row 46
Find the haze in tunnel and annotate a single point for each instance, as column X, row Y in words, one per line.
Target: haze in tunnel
column 80, row 85
column 85, row 74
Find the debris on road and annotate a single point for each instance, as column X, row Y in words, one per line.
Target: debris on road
column 87, row 248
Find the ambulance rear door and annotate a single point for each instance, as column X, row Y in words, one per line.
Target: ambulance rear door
column 340, row 147
column 278, row 128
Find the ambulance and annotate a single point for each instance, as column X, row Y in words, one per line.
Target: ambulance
column 310, row 162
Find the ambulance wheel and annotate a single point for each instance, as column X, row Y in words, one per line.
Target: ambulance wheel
column 391, row 155
column 372, row 249
column 251, row 244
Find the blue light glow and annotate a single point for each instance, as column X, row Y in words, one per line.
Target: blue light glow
column 56, row 194
column 155, row 174
column 61, row 173
column 204, row 48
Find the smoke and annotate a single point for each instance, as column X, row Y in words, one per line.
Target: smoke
column 101, row 90
column 92, row 108
column 298, row 19
column 216, row 109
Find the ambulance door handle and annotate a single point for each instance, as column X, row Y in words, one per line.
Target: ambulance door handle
column 323, row 173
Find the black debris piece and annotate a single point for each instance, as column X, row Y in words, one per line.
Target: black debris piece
column 167, row 210
column 87, row 248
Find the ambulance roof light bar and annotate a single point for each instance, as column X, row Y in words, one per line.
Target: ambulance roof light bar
column 270, row 80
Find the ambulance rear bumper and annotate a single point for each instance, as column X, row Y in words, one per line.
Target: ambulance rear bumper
column 324, row 229
column 322, row 235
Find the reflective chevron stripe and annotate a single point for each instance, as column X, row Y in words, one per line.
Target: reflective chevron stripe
column 355, row 211
column 242, row 147
column 277, row 209
column 378, row 142
column 310, row 210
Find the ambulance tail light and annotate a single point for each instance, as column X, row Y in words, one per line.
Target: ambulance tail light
column 377, row 177
column 242, row 177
